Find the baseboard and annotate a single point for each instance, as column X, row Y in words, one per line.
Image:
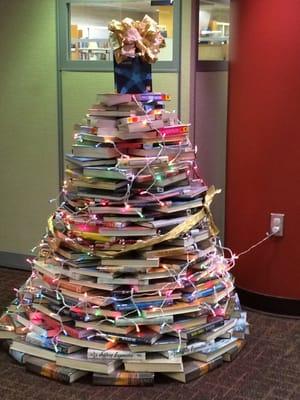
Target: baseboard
column 14, row 260
column 274, row 305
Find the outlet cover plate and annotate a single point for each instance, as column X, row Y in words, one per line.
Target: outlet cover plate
column 277, row 220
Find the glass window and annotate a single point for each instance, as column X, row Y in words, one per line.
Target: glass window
column 213, row 35
column 88, row 33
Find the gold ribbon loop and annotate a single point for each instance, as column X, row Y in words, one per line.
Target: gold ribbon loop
column 190, row 222
column 131, row 38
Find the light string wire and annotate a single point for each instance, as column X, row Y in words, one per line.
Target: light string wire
column 180, row 278
column 108, row 337
column 161, row 308
column 268, row 236
column 148, row 164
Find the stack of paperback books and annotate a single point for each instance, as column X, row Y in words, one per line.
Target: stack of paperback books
column 130, row 280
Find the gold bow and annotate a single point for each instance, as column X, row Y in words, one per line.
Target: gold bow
column 131, row 38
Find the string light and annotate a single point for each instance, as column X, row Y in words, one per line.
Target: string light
column 215, row 262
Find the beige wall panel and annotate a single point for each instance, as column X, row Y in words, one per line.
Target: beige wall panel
column 210, row 134
column 79, row 91
column 28, row 155
column 167, row 82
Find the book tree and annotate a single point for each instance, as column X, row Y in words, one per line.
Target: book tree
column 130, row 281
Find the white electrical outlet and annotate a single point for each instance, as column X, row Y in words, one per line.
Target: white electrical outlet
column 276, row 224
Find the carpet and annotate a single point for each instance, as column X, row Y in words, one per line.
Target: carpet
column 267, row 369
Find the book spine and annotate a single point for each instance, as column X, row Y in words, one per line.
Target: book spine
column 72, row 286
column 144, row 321
column 49, row 370
column 204, row 293
column 31, row 326
column 173, row 130
column 54, row 307
column 39, row 341
column 76, row 333
column 124, row 379
column 203, row 329
column 132, row 340
column 148, row 97
column 184, row 351
column 50, row 322
column 46, row 343
column 117, row 354
column 232, row 353
column 141, row 306
column 215, row 363
column 53, row 327
column 214, row 346
column 204, row 368
column 17, row 356
column 193, row 348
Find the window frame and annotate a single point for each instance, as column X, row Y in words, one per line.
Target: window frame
column 63, row 35
column 207, row 65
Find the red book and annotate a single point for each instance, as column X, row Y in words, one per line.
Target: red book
column 71, row 331
column 174, row 129
column 77, row 333
column 50, row 326
column 63, row 283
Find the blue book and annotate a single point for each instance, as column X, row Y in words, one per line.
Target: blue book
column 48, row 343
column 203, row 293
column 141, row 306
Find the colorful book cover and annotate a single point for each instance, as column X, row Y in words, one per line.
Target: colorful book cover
column 120, row 352
column 50, row 370
column 123, row 378
column 204, row 293
column 193, row 332
column 51, row 344
column 217, row 345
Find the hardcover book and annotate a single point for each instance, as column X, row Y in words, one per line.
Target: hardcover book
column 124, row 378
column 50, row 370
column 80, row 362
column 214, row 350
column 119, row 352
column 193, row 369
column 155, row 363
column 231, row 354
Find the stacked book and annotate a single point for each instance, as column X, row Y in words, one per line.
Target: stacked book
column 130, row 281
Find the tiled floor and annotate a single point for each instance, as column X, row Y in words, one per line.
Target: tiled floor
column 267, row 369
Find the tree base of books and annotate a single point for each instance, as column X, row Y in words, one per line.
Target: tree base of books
column 130, row 280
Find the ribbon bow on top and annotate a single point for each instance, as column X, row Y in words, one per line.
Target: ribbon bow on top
column 136, row 38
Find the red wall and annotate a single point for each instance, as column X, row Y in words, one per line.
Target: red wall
column 263, row 148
